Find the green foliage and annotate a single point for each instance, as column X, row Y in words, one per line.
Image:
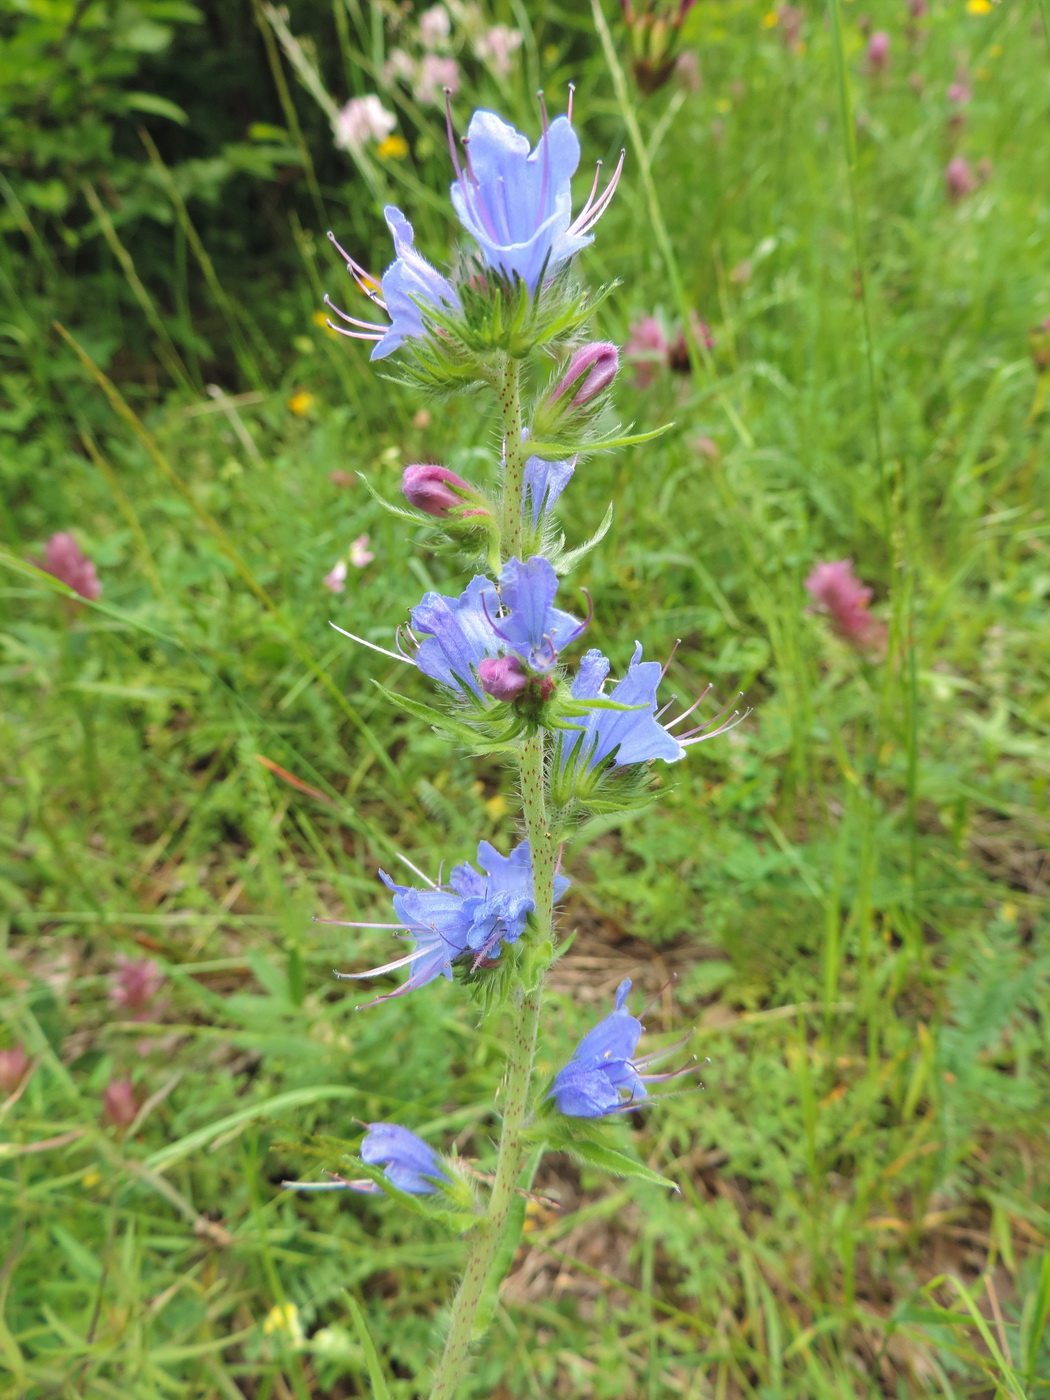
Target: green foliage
column 845, row 896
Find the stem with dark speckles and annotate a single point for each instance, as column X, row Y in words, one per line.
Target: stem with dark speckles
column 486, row 1240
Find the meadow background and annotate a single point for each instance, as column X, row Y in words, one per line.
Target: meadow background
column 846, row 897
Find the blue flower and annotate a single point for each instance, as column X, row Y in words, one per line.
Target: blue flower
column 531, row 626
column 629, row 736
column 517, row 204
column 457, row 634
column 408, row 1163
column 633, row 735
column 544, row 483
column 602, row 1076
column 409, row 286
column 476, row 913
column 406, row 1159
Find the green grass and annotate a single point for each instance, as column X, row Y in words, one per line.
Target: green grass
column 849, row 890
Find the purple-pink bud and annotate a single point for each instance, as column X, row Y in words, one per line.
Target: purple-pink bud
column 878, row 51
column 502, row 677
column 435, row 490
column 590, row 371
column 13, row 1066
column 120, row 1103
column 135, row 983
column 959, row 178
column 65, row 560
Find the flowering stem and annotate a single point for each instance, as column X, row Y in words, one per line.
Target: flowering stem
column 487, row 1239
column 514, row 457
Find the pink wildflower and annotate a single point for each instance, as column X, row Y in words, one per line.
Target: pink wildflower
column 496, row 47
column 647, row 349
column 843, row 599
column 363, row 119
column 335, row 581
column 959, row 178
column 433, row 76
column 960, row 93
column 360, row 554
column 878, row 51
column 434, row 27
column 64, row 559
column 399, row 66
column 13, row 1066
column 134, row 984
column 120, row 1102
column 789, row 26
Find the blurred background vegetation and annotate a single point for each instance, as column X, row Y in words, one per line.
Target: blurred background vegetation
column 846, row 897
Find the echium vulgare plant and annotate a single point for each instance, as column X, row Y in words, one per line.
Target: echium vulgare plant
column 512, row 319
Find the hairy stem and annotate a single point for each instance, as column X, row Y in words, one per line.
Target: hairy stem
column 486, row 1241
column 514, row 457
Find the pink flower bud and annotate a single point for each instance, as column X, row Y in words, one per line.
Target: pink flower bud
column 646, row 349
column 134, row 984
column 65, row 560
column 119, row 1103
column 959, row 178
column 879, row 51
column 960, row 92
column 13, row 1066
column 589, row 372
column 502, row 677
column 436, row 490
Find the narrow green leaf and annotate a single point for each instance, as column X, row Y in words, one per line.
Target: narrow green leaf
column 266, row 1108
column 380, row 1389
column 616, row 1163
column 156, row 106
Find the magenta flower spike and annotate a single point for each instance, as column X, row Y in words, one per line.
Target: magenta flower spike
column 134, row 984
column 878, row 52
column 14, row 1065
column 840, row 596
column 120, row 1103
column 959, row 178
column 65, row 560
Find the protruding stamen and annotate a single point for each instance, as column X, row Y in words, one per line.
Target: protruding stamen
column 365, row 281
column 677, row 644
column 382, row 650
column 737, row 717
column 414, row 956
column 686, row 713
column 347, row 923
column 572, row 93
column 354, row 335
column 353, row 320
column 452, row 134
column 595, row 208
column 416, row 871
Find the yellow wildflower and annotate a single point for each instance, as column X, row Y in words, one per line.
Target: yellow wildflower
column 284, row 1317
column 770, row 20
column 301, row 403
column 978, row 7
column 392, row 148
